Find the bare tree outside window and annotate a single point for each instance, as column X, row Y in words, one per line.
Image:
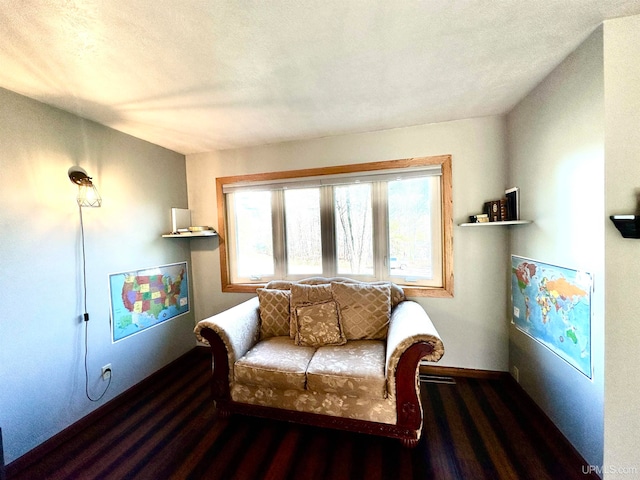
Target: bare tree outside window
column 302, row 219
column 354, row 231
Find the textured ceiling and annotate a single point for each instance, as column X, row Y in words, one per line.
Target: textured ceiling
column 197, row 76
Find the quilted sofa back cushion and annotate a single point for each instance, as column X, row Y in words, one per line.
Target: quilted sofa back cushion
column 274, row 312
column 365, row 309
column 397, row 294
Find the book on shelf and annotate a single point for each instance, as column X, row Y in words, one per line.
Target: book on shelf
column 492, row 209
column 504, row 213
column 504, row 209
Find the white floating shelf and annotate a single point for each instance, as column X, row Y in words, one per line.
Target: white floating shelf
column 182, row 228
column 204, row 233
column 496, row 224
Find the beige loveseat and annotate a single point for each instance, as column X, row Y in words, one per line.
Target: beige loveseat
column 329, row 352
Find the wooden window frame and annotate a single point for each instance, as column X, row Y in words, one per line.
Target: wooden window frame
column 446, row 291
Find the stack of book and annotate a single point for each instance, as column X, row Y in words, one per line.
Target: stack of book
column 502, row 210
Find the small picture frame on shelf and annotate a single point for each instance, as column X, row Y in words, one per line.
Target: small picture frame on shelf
column 513, row 203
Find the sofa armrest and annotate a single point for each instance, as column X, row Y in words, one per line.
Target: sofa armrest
column 235, row 331
column 409, row 325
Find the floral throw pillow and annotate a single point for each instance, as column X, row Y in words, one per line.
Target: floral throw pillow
column 305, row 295
column 318, row 325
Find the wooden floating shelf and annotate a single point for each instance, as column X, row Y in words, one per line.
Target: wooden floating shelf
column 496, row 224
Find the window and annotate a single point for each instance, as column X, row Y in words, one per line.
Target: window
column 354, row 229
column 374, row 221
column 302, row 235
column 252, row 254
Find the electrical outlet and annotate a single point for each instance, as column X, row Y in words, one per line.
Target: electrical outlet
column 516, row 374
column 106, row 372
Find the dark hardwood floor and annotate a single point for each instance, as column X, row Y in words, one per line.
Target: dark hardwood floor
column 167, row 428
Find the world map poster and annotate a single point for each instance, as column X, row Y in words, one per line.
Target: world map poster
column 552, row 305
column 145, row 298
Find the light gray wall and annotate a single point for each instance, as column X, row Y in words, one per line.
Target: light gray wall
column 472, row 323
column 41, row 334
column 622, row 190
column 556, row 157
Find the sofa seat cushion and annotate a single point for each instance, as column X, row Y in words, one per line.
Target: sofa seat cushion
column 274, row 362
column 355, row 369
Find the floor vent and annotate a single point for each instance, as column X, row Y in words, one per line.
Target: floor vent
column 437, row 379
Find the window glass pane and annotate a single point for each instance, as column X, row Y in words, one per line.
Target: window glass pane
column 254, row 241
column 354, row 234
column 410, row 228
column 302, row 220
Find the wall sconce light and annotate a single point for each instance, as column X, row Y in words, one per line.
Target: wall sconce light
column 88, row 195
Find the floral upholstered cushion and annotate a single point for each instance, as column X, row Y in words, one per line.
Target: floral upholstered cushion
column 356, row 369
column 364, row 309
column 274, row 312
column 275, row 362
column 305, row 295
column 318, row 325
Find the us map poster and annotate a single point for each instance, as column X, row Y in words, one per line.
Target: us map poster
column 142, row 299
